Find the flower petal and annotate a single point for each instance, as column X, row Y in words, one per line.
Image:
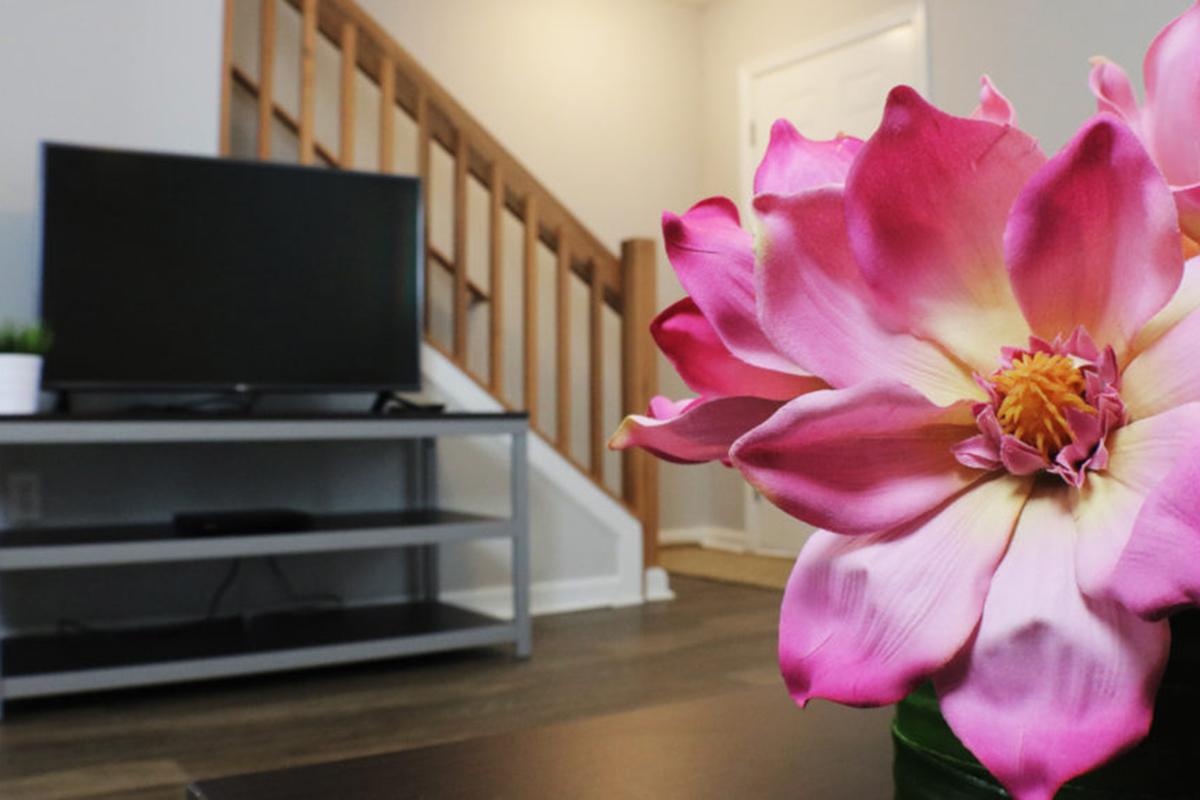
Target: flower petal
column 816, row 308
column 1104, row 514
column 1093, row 239
column 993, row 106
column 1185, row 300
column 866, row 618
column 692, row 431
column 1172, row 75
column 1157, row 568
column 926, row 202
column 707, row 366
column 714, row 259
column 1158, row 571
column 1053, row 684
column 858, row 460
column 1167, row 373
column 794, row 163
column 1114, row 93
column 1187, row 203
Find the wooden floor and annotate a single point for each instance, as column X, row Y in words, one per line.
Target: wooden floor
column 768, row 572
column 148, row 744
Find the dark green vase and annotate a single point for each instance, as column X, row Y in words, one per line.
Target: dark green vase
column 931, row 764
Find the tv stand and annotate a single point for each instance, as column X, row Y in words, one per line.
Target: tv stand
column 61, row 663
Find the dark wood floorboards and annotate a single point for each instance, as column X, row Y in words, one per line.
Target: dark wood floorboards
column 148, row 744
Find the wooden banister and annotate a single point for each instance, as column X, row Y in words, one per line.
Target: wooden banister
column 460, row 249
column 530, row 310
column 346, row 107
column 495, row 276
column 639, row 383
column 562, row 354
column 597, row 435
column 308, row 80
column 625, row 283
column 387, row 116
column 225, row 136
column 266, row 75
column 424, row 170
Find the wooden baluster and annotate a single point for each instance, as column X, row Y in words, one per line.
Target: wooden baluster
column 562, row 367
column 266, row 76
column 387, row 114
column 596, row 363
column 423, row 170
column 346, row 94
column 531, row 327
column 226, row 79
column 495, row 290
column 639, row 472
column 308, row 80
column 462, row 157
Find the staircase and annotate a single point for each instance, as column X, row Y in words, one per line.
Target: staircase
column 416, row 126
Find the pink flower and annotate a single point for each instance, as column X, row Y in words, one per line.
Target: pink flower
column 1169, row 122
column 713, row 337
column 1003, row 465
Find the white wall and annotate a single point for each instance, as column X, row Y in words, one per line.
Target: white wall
column 127, row 73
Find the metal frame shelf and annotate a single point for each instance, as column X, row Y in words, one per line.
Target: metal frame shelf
column 46, row 664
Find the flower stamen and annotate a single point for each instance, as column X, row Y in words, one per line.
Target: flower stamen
column 1034, row 394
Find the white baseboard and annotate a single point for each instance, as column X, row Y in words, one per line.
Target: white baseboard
column 549, row 597
column 711, row 536
column 658, row 585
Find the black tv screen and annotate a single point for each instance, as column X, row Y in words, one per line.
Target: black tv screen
column 163, row 272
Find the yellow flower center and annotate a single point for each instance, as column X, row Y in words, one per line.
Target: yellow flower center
column 1034, row 394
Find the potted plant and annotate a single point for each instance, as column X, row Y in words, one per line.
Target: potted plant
column 21, row 350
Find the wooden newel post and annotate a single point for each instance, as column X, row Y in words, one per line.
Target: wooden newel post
column 639, row 382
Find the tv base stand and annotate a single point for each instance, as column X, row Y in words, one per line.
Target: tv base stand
column 51, row 664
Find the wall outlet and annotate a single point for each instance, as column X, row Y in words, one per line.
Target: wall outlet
column 24, row 500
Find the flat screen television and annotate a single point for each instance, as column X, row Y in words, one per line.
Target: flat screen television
column 181, row 273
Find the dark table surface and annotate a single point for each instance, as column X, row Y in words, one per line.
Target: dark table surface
column 746, row 744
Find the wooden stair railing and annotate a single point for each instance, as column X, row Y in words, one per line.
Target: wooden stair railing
column 625, row 283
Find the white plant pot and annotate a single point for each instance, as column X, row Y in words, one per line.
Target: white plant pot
column 20, row 382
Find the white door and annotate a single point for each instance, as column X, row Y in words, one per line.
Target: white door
column 837, row 84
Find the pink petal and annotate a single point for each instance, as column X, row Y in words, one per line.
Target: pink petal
column 694, row 431
column 1172, row 75
column 1114, row 93
column 858, row 460
column 1093, row 239
column 978, row 452
column 817, row 309
column 1185, row 300
column 707, row 366
column 794, row 163
column 1104, row 514
column 866, row 618
column 714, row 259
column 1157, row 566
column 993, row 106
column 926, row 202
column 1053, row 685
column 1187, row 203
column 1167, row 373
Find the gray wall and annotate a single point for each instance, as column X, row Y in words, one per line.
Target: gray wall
column 121, row 73
column 1037, row 52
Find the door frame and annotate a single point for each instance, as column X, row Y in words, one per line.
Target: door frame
column 913, row 13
